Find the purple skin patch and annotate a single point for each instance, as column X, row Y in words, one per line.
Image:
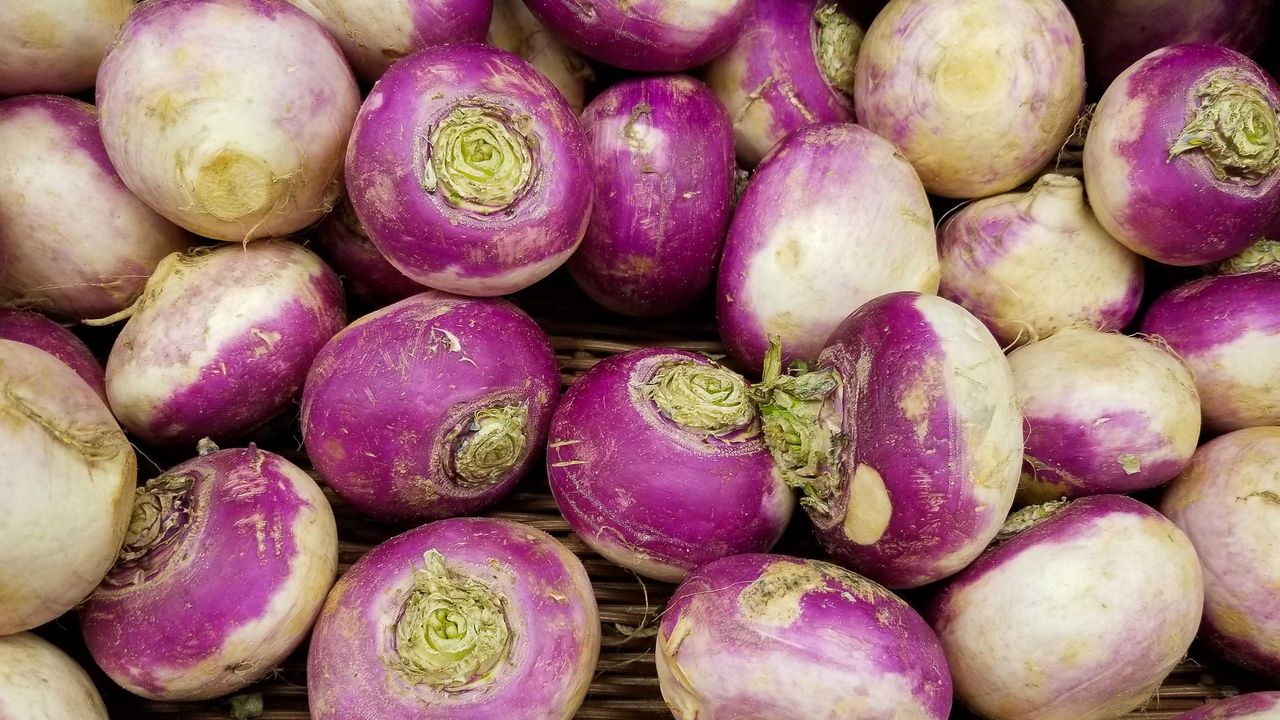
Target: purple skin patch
column 163, row 625
column 772, row 636
column 39, row 331
column 428, row 130
column 650, row 492
column 542, row 612
column 645, row 35
column 663, row 165
column 365, row 273
column 1171, row 206
column 390, row 405
column 1252, row 706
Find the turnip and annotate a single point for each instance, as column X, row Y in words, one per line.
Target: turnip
column 1105, row 413
column 376, row 33
column 69, row 473
column 1227, row 330
column 656, row 459
column 1182, row 155
column 1030, row 264
column 469, row 171
column 227, row 562
column 831, row 219
column 432, row 407
column 37, row 680
column 516, row 30
column 905, row 438
column 791, row 65
column 979, row 95
column 366, row 274
column 221, row 340
column 645, row 35
column 229, row 117
column 466, row 619
column 1226, row 502
column 1253, row 706
column 771, row 636
column 56, row 45
column 1079, row 614
column 1118, row 34
column 39, row 331
column 75, row 241
column 662, row 152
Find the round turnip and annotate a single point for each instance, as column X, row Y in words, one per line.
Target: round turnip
column 1253, row 706
column 905, row 438
column 1079, row 614
column 655, row 458
column 662, row 152
column 811, row 240
column 472, row 618
column 56, row 45
column 1226, row 502
column 70, row 474
column 228, row 559
column 366, row 274
column 1182, row 159
column 229, row 117
column 469, row 171
column 979, row 95
column 1030, row 264
column 221, row 340
column 39, row 331
column 37, row 680
column 433, row 407
column 75, row 241
column 516, row 30
column 1104, row 412
column 791, row 65
column 771, row 636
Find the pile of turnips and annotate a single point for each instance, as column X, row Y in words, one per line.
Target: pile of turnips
column 981, row 272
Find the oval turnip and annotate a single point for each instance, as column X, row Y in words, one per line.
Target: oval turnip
column 474, row 618
column 37, row 680
column 1253, row 706
column 469, row 171
column 516, row 30
column 39, row 331
column 56, row 45
column 655, row 458
column 366, row 274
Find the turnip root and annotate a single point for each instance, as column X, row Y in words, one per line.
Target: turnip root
column 516, row 30
column 1253, row 706
column 39, row 331
column 55, row 46
column 39, row 681
column 366, row 274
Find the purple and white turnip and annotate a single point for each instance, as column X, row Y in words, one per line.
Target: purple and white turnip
column 1182, row 159
column 904, row 437
column 1251, row 706
column 516, row 30
column 367, row 276
column 1226, row 502
column 771, row 636
column 227, row 562
column 37, row 680
column 978, row 95
column 469, row 171
column 1078, row 614
column 75, row 241
column 464, row 619
column 221, row 340
column 656, row 459
column 662, row 163
column 56, row 45
column 69, row 474
column 1031, row 264
column 39, row 331
column 429, row 408
column 229, row 117
column 834, row 217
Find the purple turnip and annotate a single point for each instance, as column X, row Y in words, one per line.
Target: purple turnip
column 1226, row 502
column 516, row 30
column 831, row 219
column 39, row 331
column 75, row 241
column 464, row 619
column 1104, row 412
column 1030, row 264
column 37, row 680
column 1078, row 614
column 791, row 65
column 366, row 274
column 778, row 637
column 662, row 153
column 979, row 95
column 432, row 407
column 469, row 171
column 227, row 562
column 221, row 340
column 1253, row 706
column 1182, row 160
column 56, row 45
column 69, row 473
column 905, row 438
column 656, row 459
column 229, row 117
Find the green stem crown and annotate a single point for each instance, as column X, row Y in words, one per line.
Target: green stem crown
column 1235, row 127
column 702, row 397
column 480, row 158
column 837, row 42
column 161, row 509
column 1262, row 255
column 1028, row 517
column 493, row 443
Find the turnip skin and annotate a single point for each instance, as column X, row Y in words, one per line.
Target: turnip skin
column 56, row 46
column 366, row 275
column 1251, row 706
column 37, row 680
column 39, row 331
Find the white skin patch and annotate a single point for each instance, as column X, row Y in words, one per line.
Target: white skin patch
column 1237, row 382
column 870, row 508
